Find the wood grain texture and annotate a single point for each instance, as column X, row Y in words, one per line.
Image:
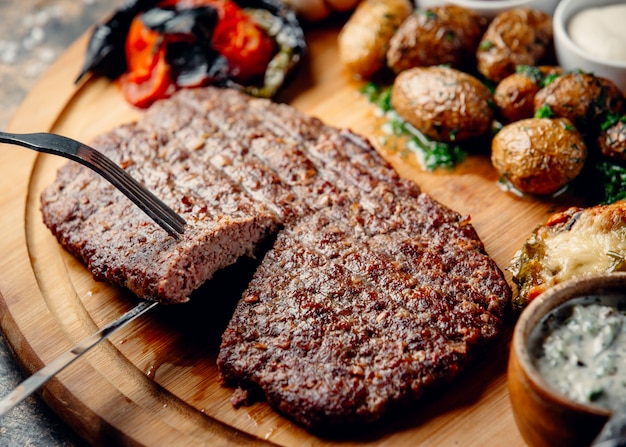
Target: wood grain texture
column 155, row 382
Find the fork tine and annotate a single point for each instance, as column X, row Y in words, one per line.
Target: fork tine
column 98, row 157
column 152, row 206
column 163, row 215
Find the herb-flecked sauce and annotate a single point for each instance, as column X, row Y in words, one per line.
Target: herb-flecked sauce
column 580, row 350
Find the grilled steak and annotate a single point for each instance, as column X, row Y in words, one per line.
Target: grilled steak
column 372, row 292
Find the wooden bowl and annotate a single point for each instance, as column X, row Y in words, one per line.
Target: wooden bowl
column 544, row 416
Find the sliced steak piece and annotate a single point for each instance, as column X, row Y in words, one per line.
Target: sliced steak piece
column 121, row 245
column 330, row 345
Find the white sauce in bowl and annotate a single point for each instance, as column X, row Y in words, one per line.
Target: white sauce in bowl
column 580, row 350
column 601, row 31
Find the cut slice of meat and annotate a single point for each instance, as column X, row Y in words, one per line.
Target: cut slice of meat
column 118, row 242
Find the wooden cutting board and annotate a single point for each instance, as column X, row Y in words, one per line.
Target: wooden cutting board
column 155, row 382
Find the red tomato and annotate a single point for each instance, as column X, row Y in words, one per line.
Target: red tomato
column 148, row 74
column 245, row 46
column 237, row 37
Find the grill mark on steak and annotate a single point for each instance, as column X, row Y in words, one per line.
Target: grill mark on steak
column 397, row 264
column 384, row 289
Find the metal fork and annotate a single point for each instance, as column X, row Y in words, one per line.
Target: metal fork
column 50, row 143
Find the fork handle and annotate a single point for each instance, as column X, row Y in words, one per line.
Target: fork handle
column 76, row 151
column 40, row 143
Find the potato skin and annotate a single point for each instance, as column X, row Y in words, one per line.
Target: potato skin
column 539, row 155
column 519, row 36
column 580, row 97
column 443, row 103
column 612, row 141
column 443, row 35
column 364, row 39
column 514, row 96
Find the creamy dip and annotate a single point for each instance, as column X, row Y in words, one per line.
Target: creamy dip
column 580, row 350
column 601, row 31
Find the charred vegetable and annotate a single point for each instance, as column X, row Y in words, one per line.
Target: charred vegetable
column 573, row 243
column 155, row 47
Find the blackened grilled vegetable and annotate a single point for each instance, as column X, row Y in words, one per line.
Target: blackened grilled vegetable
column 250, row 44
column 105, row 50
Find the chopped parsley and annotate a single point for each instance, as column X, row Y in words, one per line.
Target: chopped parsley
column 612, row 119
column 531, row 72
column 485, row 45
column 544, row 112
column 613, row 181
column 536, row 75
column 430, row 15
column 547, row 80
column 377, row 96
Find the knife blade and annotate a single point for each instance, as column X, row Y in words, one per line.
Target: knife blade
column 39, row 378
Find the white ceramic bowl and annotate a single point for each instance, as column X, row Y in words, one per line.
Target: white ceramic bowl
column 570, row 56
column 491, row 8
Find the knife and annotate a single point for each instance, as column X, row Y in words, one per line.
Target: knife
column 39, row 378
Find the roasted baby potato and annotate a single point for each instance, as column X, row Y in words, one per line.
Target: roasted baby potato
column 443, row 35
column 582, row 98
column 443, row 103
column 364, row 40
column 612, row 140
column 519, row 36
column 539, row 155
column 573, row 243
column 514, row 96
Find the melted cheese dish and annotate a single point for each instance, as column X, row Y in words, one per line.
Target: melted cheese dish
column 573, row 243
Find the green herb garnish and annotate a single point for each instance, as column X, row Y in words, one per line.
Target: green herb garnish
column 485, row 45
column 434, row 154
column 378, row 96
column 544, row 112
column 613, row 181
column 611, row 119
column 547, row 80
column 530, row 72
